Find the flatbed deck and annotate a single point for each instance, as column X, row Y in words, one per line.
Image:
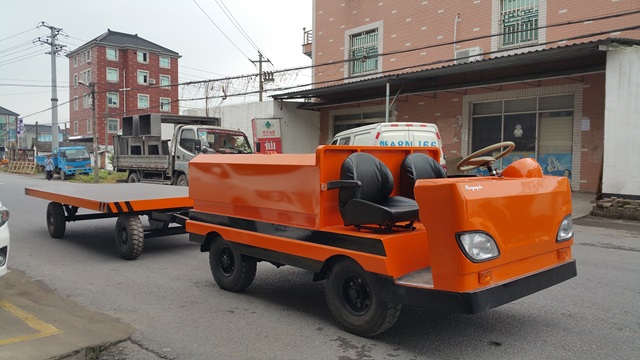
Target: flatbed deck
column 165, row 206
column 114, row 198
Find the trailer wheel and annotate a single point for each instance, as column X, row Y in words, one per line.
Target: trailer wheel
column 56, row 221
column 133, row 178
column 355, row 300
column 230, row 271
column 63, row 176
column 129, row 236
column 182, row 180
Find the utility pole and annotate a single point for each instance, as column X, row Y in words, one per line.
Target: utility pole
column 94, row 126
column 260, row 61
column 55, row 49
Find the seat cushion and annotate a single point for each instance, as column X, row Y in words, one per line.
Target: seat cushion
column 396, row 209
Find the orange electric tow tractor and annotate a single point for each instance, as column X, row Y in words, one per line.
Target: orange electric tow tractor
column 385, row 227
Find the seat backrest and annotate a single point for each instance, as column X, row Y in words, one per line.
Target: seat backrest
column 374, row 175
column 418, row 166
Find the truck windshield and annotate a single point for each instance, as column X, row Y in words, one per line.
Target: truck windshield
column 224, row 141
column 77, row 154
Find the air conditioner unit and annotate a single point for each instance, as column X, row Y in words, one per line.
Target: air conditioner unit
column 468, row 55
column 152, row 81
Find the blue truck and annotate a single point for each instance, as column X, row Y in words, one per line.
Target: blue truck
column 68, row 161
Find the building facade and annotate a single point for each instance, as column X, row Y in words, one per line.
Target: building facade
column 536, row 72
column 128, row 75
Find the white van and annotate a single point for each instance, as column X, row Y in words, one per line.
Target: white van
column 393, row 134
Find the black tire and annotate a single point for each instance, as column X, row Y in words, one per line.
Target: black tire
column 230, row 271
column 56, row 220
column 133, row 178
column 63, row 176
column 182, row 180
column 355, row 300
column 129, row 236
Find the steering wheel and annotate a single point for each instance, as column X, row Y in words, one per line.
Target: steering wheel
column 474, row 160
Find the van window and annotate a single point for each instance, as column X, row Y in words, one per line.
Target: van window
column 344, row 141
column 362, row 139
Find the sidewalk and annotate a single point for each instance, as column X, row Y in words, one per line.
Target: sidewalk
column 582, row 203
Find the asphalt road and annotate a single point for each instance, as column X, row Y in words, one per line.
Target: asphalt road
column 169, row 298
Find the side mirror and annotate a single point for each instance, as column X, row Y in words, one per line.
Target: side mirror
column 197, row 144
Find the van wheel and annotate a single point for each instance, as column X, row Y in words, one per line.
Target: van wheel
column 182, row 180
column 133, row 178
column 56, row 220
column 355, row 300
column 230, row 271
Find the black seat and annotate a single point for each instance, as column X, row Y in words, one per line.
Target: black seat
column 418, row 166
column 365, row 187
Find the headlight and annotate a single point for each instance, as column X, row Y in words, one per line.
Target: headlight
column 478, row 246
column 4, row 215
column 565, row 232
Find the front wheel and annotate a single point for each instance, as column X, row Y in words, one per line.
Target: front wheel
column 355, row 300
column 182, row 180
column 63, row 176
column 230, row 271
column 56, row 220
column 129, row 236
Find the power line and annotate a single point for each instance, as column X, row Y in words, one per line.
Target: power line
column 235, row 23
column 12, row 36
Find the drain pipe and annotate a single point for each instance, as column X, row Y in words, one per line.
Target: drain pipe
column 455, row 30
column 386, row 113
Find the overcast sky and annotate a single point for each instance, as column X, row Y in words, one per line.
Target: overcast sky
column 274, row 27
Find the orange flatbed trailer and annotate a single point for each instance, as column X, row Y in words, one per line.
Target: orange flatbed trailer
column 478, row 242
column 166, row 206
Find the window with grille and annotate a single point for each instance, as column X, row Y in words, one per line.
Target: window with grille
column 112, row 54
column 112, row 99
column 363, row 52
column 113, row 125
column 143, row 77
column 143, row 101
column 112, row 75
column 165, row 81
column 519, row 21
column 165, row 104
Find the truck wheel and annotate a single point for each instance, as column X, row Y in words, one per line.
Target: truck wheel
column 56, row 221
column 182, row 180
column 230, row 271
column 129, row 236
column 133, row 178
column 63, row 176
column 355, row 300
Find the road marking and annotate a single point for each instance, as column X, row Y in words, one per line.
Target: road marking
column 44, row 329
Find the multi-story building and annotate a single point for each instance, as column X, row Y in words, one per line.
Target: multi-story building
column 8, row 129
column 128, row 74
column 559, row 78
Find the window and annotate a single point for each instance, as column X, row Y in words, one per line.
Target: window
column 75, row 103
column 112, row 75
column 541, row 128
column 143, row 101
column 165, row 62
column 519, row 22
column 113, row 125
column 86, row 76
column 112, row 99
column 165, row 81
column 75, row 61
column 89, row 126
column 143, row 57
column 188, row 140
column 75, row 80
column 165, row 104
column 363, row 52
column 143, row 77
column 86, row 101
column 75, row 127
column 87, row 55
column 112, row 54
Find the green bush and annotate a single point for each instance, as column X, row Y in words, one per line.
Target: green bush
column 104, row 176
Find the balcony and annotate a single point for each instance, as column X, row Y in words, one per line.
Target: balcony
column 307, row 40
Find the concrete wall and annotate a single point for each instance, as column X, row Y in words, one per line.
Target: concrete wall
column 300, row 129
column 621, row 168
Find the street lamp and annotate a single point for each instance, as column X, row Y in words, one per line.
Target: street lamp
column 94, row 120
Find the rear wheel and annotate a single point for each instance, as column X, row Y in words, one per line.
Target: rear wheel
column 230, row 271
column 129, row 236
column 56, row 221
column 355, row 300
column 133, row 178
column 182, row 180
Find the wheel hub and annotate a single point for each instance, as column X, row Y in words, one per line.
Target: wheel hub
column 225, row 261
column 356, row 294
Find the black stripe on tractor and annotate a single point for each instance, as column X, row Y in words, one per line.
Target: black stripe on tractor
column 343, row 241
column 128, row 205
column 118, row 207
column 279, row 258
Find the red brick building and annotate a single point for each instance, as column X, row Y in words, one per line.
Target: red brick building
column 544, row 74
column 130, row 75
